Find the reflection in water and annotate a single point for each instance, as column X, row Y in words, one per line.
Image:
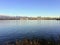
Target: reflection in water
column 11, row 30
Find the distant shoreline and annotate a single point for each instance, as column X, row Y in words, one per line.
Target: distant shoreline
column 31, row 19
column 28, row 18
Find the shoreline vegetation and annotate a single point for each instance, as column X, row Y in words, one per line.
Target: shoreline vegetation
column 35, row 41
column 28, row 18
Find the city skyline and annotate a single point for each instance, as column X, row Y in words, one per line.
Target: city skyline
column 30, row 8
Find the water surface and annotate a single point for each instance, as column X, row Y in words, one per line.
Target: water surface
column 10, row 30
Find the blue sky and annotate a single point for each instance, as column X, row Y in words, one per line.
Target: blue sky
column 30, row 7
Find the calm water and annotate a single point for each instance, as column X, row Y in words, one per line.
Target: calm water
column 10, row 30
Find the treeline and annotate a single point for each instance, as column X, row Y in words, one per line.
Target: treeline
column 9, row 18
column 26, row 18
